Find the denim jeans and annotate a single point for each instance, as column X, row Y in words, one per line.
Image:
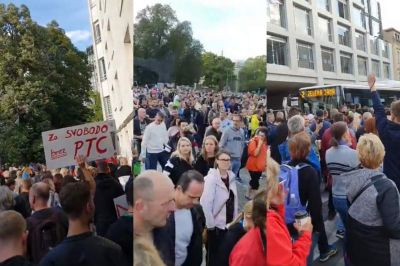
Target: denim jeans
column 342, row 208
column 153, row 158
column 235, row 163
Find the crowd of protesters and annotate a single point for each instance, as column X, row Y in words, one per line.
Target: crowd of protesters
column 66, row 216
column 194, row 146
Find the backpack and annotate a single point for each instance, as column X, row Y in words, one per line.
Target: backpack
column 245, row 155
column 45, row 235
column 289, row 176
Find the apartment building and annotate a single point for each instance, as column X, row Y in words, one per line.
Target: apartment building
column 392, row 36
column 317, row 42
column 112, row 31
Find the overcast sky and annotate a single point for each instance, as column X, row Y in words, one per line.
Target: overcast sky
column 390, row 14
column 235, row 26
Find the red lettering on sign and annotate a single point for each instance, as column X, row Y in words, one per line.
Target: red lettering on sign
column 97, row 145
column 52, row 137
column 88, row 150
column 58, row 154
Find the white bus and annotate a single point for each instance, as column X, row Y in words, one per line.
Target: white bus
column 334, row 96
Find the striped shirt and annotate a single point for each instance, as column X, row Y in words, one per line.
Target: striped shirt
column 341, row 160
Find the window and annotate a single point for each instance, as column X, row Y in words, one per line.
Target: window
column 360, row 41
column 376, row 68
column 102, row 69
column 324, row 5
column 362, row 64
column 398, row 56
column 275, row 12
column 373, row 43
column 375, row 29
column 385, row 49
column 344, row 35
column 325, row 28
column 302, row 20
column 108, row 108
column 305, row 55
column 346, row 63
column 97, row 32
column 359, row 17
column 327, row 59
column 374, row 9
column 386, row 70
column 342, row 7
column 276, row 50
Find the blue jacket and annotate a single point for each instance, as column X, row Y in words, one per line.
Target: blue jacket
column 389, row 133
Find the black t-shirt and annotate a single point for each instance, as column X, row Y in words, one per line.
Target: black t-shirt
column 230, row 204
column 121, row 232
column 16, row 261
column 22, row 204
column 85, row 250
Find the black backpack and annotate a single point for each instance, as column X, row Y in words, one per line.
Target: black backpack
column 45, row 235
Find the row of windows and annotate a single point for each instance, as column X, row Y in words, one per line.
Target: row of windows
column 277, row 51
column 276, row 15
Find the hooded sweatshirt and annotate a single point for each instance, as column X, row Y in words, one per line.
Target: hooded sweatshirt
column 232, row 141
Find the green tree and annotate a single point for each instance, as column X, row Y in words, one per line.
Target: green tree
column 160, row 35
column 252, row 75
column 44, row 84
column 217, row 70
column 95, row 106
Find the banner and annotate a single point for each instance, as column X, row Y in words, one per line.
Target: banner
column 121, row 205
column 93, row 140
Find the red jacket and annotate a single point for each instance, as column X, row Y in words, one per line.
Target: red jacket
column 280, row 250
column 248, row 251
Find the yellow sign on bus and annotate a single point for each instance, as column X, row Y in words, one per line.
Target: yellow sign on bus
column 318, row 92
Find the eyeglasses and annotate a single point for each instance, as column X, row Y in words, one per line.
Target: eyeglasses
column 224, row 160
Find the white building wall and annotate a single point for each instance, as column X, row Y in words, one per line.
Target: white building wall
column 292, row 75
column 116, row 47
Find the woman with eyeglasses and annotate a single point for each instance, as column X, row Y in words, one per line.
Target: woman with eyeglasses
column 220, row 204
column 181, row 160
column 257, row 156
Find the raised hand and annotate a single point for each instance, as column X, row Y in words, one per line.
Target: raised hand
column 371, row 81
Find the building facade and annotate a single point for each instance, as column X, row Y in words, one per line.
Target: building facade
column 112, row 31
column 319, row 42
column 392, row 36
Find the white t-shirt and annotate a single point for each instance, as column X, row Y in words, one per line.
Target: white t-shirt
column 183, row 234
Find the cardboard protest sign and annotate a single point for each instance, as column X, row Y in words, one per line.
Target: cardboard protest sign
column 121, row 205
column 92, row 140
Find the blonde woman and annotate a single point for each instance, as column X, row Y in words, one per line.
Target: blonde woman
column 206, row 159
column 373, row 217
column 220, row 204
column 181, row 160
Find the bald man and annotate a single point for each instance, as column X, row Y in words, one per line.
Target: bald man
column 153, row 202
column 43, row 222
column 139, row 125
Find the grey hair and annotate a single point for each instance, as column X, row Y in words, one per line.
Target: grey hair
column 143, row 188
column 366, row 116
column 280, row 115
column 6, row 199
column 296, row 124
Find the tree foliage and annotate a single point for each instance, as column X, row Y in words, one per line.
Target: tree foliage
column 252, row 75
column 160, row 35
column 95, row 106
column 217, row 70
column 44, row 84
